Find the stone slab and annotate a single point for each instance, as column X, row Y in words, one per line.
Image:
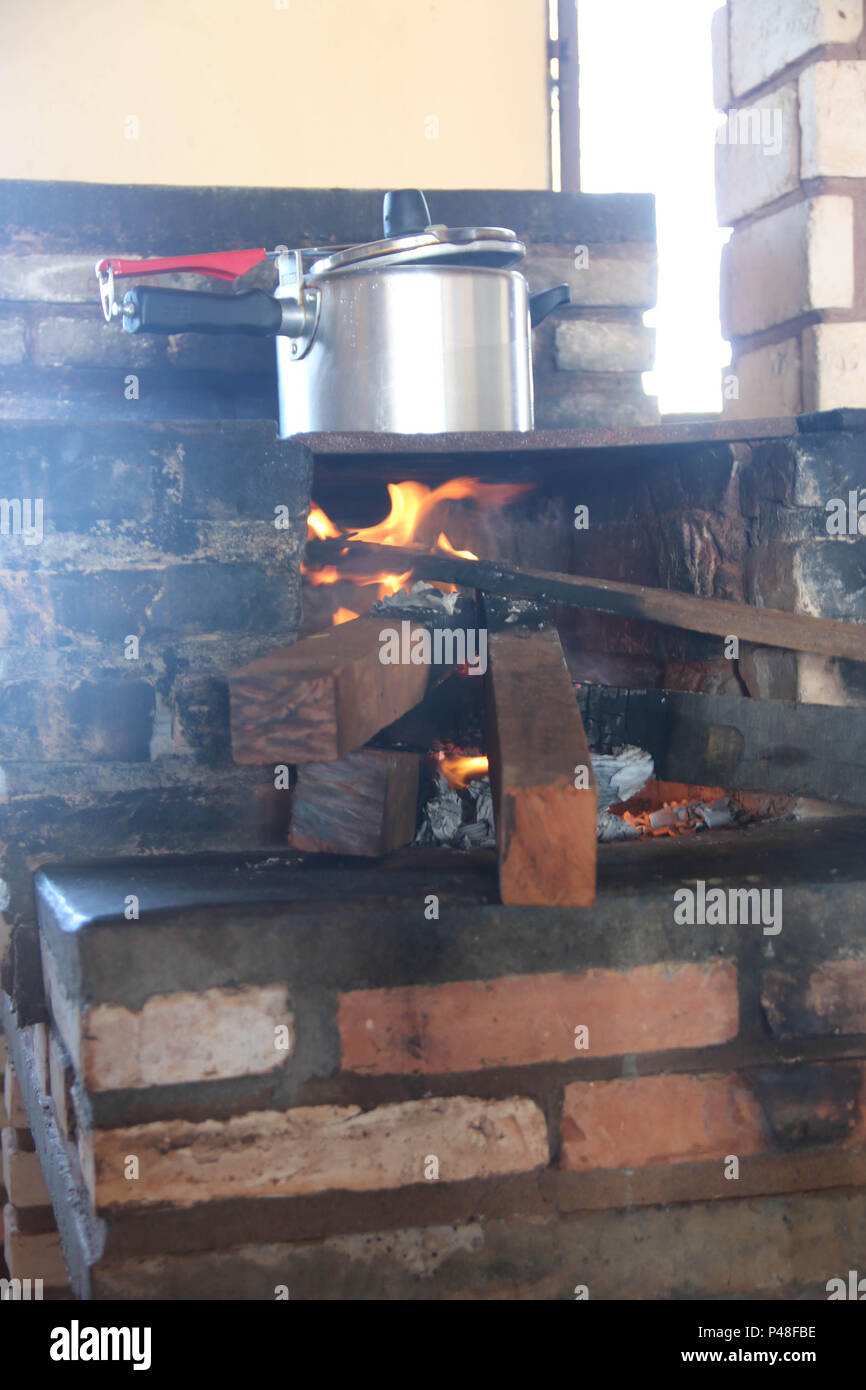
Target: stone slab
column 264, row 918
column 165, row 221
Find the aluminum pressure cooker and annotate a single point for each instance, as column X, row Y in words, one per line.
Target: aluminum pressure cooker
column 424, row 331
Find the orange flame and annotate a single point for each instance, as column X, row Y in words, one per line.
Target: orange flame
column 443, row 543
column 411, row 503
column 318, row 524
column 328, row 574
column 391, row 583
column 343, row 615
column 459, row 771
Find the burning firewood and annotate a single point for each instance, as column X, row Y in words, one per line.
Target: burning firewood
column 413, row 517
column 723, row 617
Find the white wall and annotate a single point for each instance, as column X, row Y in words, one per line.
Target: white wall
column 332, row 93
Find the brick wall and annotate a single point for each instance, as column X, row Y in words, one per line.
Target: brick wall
column 491, row 1103
column 159, row 570
column 745, row 521
column 791, row 181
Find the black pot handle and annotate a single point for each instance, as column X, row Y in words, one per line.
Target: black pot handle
column 147, row 310
column 404, row 212
column 543, row 302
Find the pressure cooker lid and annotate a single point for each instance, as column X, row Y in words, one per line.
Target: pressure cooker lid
column 435, row 245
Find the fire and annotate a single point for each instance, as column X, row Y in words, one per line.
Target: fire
column 411, row 504
column 388, row 583
column 459, row 771
column 328, row 574
column 343, row 615
column 443, row 543
column 318, row 524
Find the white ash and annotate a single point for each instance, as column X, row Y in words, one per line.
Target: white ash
column 610, row 827
column 481, row 832
column 718, row 815
column 464, row 820
column 691, row 815
column 441, row 816
column 621, row 774
column 517, row 607
column 422, row 596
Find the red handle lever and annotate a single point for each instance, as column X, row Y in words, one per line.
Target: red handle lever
column 220, row 265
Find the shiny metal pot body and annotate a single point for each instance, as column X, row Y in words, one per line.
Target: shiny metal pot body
column 411, row 349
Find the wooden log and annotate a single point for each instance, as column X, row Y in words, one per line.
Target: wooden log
column 322, row 698
column 768, row 627
column 545, row 823
column 365, row 803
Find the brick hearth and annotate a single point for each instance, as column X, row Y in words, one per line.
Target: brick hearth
column 438, row 1116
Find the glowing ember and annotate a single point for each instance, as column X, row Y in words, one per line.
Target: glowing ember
column 679, row 821
column 343, row 615
column 678, row 808
column 459, row 771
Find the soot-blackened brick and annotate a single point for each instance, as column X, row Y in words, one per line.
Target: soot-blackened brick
column 804, row 1106
column 101, row 721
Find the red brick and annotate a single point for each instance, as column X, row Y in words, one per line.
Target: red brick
column 836, row 994
column 832, row 1000
column 641, row 1121
column 524, row 1019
